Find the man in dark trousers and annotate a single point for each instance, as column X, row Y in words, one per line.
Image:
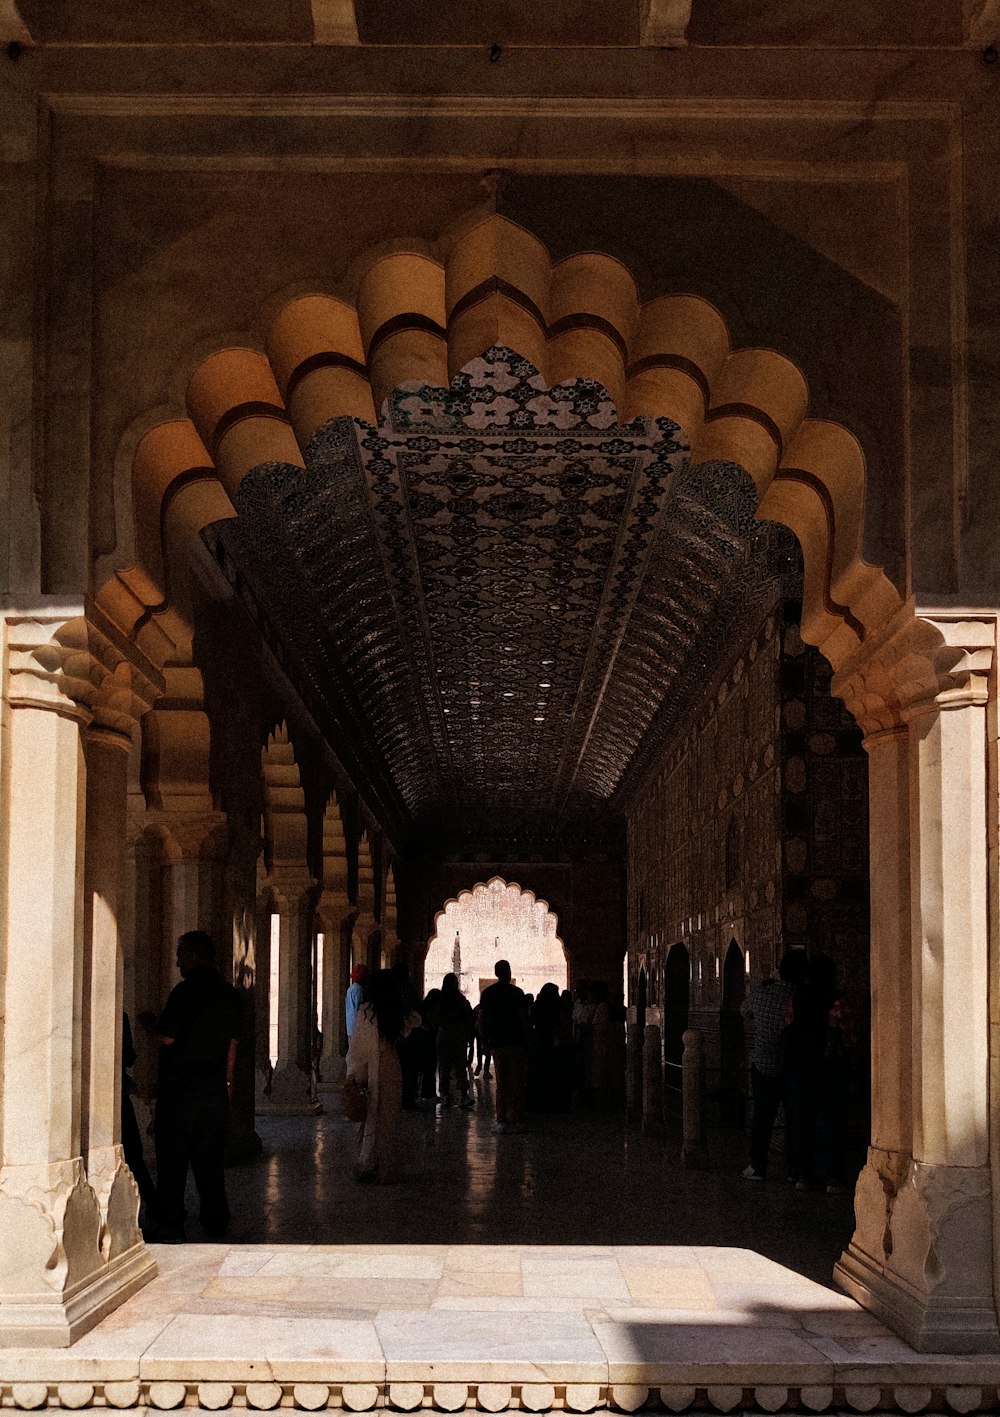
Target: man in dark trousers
column 770, row 1007
column 197, row 1033
column 505, row 1021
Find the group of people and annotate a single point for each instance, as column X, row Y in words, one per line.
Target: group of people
column 801, row 1059
column 542, row 1050
column 409, row 1053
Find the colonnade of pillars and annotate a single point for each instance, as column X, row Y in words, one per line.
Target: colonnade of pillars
column 923, row 1252
column 74, row 694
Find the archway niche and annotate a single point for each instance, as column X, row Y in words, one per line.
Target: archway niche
column 919, row 679
column 676, row 1002
column 496, row 920
column 732, row 1036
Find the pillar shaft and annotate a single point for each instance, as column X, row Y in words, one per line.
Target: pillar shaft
column 336, row 972
column 949, row 936
column 889, row 830
column 107, row 786
column 921, row 1257
column 57, row 1276
column 291, row 1081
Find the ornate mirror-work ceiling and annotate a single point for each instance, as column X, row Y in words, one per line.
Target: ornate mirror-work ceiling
column 496, row 592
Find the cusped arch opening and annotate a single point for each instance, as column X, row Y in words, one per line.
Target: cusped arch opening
column 496, row 919
column 418, row 322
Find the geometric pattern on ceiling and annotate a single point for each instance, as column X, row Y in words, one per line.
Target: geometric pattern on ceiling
column 500, row 588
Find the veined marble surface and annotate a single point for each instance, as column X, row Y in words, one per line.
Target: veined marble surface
column 708, row 1325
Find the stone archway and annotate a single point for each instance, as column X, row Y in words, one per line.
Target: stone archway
column 497, row 919
column 918, row 683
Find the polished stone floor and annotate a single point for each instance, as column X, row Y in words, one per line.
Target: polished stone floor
column 574, row 1268
column 582, row 1179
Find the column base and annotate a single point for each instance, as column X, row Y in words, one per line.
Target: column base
column 56, row 1280
column 290, row 1093
column 334, row 1071
column 919, row 1260
column 41, row 1322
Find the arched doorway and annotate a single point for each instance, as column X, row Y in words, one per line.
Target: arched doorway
column 494, row 920
column 732, row 1038
column 850, row 611
column 676, row 1002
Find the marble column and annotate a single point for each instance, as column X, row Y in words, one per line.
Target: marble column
column 293, row 893
column 336, row 977
column 193, row 884
column 922, row 1256
column 63, row 1263
column 107, row 768
column 890, row 1154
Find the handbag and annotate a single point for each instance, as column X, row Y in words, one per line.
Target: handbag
column 354, row 1100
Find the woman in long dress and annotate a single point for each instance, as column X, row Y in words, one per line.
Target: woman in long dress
column 373, row 1061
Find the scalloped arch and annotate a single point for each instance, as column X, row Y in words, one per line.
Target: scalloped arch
column 419, row 319
column 285, row 823
column 534, row 957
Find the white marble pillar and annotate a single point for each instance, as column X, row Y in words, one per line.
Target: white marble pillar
column 192, row 883
column 930, row 1274
column 56, row 1280
column 336, row 976
column 291, row 1081
column 107, row 768
column 890, row 1153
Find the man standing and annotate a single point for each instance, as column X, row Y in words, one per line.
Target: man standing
column 355, row 997
column 504, row 1015
column 769, row 1007
column 197, row 1032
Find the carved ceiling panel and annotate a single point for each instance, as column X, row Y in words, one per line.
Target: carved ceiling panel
column 499, row 591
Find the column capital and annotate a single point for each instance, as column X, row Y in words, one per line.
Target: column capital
column 334, row 906
column 191, row 831
column 71, row 660
column 290, row 882
column 923, row 661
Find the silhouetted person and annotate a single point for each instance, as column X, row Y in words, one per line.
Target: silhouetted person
column 550, row 1051
column 768, row 1006
column 583, row 1042
column 601, row 1044
column 355, row 996
column 135, row 1158
column 373, row 1061
column 804, row 1044
column 835, row 1086
column 197, row 1032
column 409, row 1047
column 505, row 1021
column 483, row 1055
column 427, row 1050
column 453, row 1038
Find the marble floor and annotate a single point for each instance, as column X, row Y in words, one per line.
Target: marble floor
column 574, row 1268
column 582, row 1179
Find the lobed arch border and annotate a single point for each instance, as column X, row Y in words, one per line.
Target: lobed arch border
column 417, row 317
column 284, row 815
column 471, row 890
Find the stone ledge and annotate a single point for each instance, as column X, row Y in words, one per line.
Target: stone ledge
column 730, row 1397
